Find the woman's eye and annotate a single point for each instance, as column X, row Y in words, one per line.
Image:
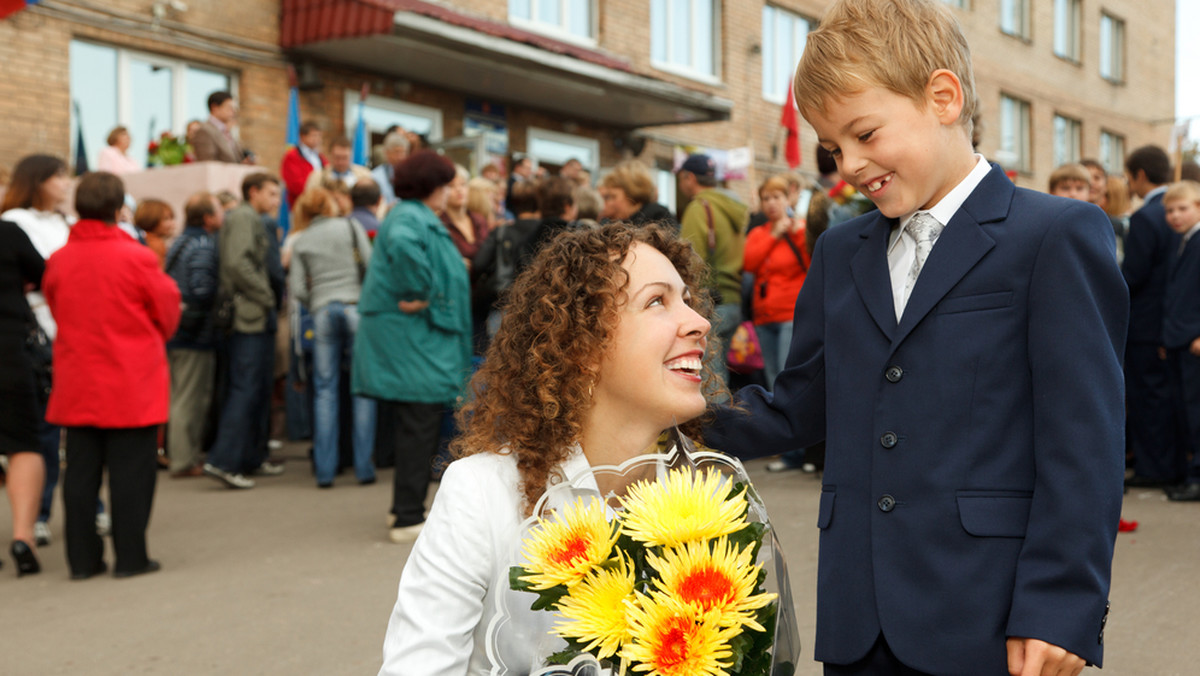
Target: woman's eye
column 866, row 137
column 657, row 300
column 835, row 152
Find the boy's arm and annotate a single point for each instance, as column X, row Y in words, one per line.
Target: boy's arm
column 1078, row 315
column 793, row 415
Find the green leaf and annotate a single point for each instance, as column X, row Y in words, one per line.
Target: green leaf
column 548, row 599
column 564, row 656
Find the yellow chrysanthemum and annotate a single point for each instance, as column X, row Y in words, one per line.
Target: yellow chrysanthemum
column 563, row 549
column 681, row 507
column 671, row 638
column 595, row 609
column 721, row 579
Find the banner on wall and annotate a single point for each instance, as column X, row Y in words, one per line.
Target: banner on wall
column 490, row 120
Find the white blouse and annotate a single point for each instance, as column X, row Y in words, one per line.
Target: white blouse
column 455, row 584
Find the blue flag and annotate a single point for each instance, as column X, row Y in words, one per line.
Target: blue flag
column 361, row 140
column 293, row 140
column 81, row 160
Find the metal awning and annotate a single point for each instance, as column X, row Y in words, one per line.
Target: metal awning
column 436, row 45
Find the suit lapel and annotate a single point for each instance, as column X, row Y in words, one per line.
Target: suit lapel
column 958, row 249
column 869, row 268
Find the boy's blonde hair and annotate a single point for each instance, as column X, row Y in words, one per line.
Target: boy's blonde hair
column 1182, row 190
column 1068, row 173
column 894, row 44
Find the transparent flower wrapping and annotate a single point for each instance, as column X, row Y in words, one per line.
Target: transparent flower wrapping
column 666, row 564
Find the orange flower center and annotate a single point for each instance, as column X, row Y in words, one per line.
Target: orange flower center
column 573, row 548
column 673, row 645
column 706, row 586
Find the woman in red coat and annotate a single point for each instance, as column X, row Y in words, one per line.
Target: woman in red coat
column 115, row 310
column 776, row 255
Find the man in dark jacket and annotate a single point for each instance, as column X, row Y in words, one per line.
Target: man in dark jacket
column 192, row 263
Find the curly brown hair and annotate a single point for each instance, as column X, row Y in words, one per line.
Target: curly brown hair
column 534, row 388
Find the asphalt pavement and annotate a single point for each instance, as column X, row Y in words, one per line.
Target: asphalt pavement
column 289, row 579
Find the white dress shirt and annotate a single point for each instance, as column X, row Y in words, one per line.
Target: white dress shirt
column 902, row 248
column 48, row 231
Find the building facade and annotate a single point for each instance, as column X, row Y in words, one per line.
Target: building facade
column 598, row 80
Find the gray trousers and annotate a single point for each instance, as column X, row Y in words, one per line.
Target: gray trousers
column 193, row 373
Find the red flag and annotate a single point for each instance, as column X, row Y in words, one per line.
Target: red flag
column 791, row 121
column 9, row 7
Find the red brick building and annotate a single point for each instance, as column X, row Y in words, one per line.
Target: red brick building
column 594, row 79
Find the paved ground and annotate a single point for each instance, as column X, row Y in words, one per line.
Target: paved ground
column 286, row 579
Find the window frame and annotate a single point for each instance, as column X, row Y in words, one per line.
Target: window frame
column 1023, row 152
column 802, row 39
column 592, row 145
column 124, row 91
column 1024, row 30
column 561, row 30
column 964, row 5
column 350, row 113
column 1110, row 157
column 1069, row 131
column 689, row 71
column 1073, row 10
column 1115, row 38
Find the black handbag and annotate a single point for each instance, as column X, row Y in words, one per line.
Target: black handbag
column 39, row 351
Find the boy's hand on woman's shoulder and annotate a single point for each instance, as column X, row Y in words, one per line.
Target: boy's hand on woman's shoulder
column 1194, row 348
column 1032, row 657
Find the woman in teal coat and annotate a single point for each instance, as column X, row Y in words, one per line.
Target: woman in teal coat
column 413, row 348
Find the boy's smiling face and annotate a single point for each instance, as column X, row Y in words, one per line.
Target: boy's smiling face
column 901, row 156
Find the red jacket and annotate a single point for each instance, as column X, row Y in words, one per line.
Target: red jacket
column 295, row 170
column 778, row 274
column 115, row 310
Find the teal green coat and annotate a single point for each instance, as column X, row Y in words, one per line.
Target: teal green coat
column 423, row 357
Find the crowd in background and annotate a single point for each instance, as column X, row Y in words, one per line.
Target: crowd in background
column 363, row 323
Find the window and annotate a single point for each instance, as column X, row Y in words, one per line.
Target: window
column 1112, row 152
column 146, row 93
column 961, row 4
column 1112, row 48
column 664, row 181
column 1014, row 18
column 551, row 147
column 783, row 36
column 1013, row 152
column 379, row 113
column 683, row 36
column 1066, row 29
column 566, row 18
column 1066, row 140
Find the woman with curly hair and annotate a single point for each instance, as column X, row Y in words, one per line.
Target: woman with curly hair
column 600, row 350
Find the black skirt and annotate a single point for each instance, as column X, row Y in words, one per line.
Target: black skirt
column 19, row 414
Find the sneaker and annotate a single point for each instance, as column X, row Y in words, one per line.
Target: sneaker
column 808, row 468
column 103, row 524
column 780, row 465
column 274, row 444
column 230, row 479
column 41, row 533
column 405, row 534
column 269, row 468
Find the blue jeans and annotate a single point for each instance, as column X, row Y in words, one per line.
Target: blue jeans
column 334, row 326
column 240, row 445
column 775, row 339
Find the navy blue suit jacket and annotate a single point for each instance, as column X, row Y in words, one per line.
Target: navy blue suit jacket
column 1150, row 245
column 1181, row 304
column 975, row 448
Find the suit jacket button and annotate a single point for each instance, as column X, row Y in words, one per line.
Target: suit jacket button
column 888, row 440
column 894, row 374
column 887, row 503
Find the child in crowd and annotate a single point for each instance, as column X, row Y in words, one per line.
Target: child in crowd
column 1071, row 180
column 1181, row 323
column 960, row 353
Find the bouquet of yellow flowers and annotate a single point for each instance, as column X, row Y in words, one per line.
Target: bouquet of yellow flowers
column 669, row 585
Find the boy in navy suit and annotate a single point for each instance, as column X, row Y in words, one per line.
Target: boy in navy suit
column 1181, row 323
column 959, row 351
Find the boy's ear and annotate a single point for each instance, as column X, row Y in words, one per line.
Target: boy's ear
column 945, row 94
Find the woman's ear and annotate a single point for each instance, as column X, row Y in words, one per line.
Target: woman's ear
column 945, row 93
